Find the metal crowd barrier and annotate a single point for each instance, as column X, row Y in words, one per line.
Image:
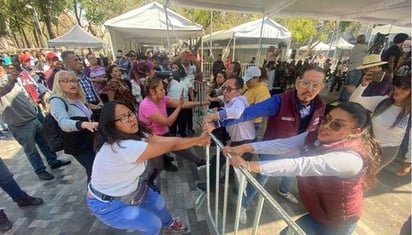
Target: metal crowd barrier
column 200, row 111
column 219, row 225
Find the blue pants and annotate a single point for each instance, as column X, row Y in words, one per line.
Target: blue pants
column 148, row 218
column 262, row 179
column 313, row 227
column 8, row 184
column 28, row 136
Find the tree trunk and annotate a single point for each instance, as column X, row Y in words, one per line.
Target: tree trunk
column 15, row 40
column 36, row 37
column 45, row 16
column 76, row 12
column 27, row 42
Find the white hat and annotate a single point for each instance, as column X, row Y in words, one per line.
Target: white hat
column 251, row 72
column 371, row 60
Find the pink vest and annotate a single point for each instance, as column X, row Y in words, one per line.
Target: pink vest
column 328, row 199
column 286, row 122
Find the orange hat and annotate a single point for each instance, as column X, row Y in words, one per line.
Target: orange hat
column 24, row 58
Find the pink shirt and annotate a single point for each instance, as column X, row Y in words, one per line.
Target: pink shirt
column 147, row 108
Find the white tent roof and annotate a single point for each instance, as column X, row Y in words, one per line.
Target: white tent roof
column 396, row 12
column 77, row 37
column 341, row 44
column 320, row 46
column 147, row 25
column 391, row 29
column 252, row 30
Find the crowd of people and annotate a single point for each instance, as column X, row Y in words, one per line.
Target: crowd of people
column 121, row 120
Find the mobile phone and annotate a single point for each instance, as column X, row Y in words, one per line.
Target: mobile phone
column 182, row 92
column 378, row 76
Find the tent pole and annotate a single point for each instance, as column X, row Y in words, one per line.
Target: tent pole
column 167, row 25
column 234, row 48
column 260, row 40
column 201, row 55
column 336, row 38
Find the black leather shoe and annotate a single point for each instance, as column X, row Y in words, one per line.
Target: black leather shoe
column 60, row 163
column 29, row 201
column 5, row 224
column 44, row 175
column 168, row 166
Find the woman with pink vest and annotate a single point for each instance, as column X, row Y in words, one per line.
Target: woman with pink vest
column 337, row 163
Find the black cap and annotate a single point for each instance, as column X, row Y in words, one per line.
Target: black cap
column 400, row 37
column 404, row 81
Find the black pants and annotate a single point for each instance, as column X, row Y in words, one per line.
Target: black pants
column 222, row 160
column 86, row 159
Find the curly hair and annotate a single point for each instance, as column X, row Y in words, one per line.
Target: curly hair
column 371, row 146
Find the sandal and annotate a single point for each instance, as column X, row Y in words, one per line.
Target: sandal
column 404, row 170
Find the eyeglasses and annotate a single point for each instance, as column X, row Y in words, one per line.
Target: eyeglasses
column 306, row 84
column 72, row 81
column 228, row 88
column 333, row 125
column 126, row 117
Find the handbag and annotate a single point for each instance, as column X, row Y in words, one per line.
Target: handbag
column 138, row 196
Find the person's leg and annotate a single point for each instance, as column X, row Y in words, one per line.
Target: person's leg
column 173, row 127
column 118, row 215
column 190, row 121
column 262, row 179
column 25, row 136
column 86, row 159
column 182, row 122
column 284, row 184
column 388, row 155
column 50, row 156
column 189, row 155
column 306, row 223
column 8, row 184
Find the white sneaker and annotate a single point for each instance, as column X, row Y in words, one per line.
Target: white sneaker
column 243, row 216
column 288, row 196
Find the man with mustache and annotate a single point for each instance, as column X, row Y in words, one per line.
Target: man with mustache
column 289, row 114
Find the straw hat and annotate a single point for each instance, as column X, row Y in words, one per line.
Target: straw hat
column 371, row 61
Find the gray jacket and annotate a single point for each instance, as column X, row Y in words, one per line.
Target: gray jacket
column 16, row 107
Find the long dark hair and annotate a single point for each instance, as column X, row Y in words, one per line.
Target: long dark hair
column 388, row 102
column 181, row 71
column 107, row 132
column 371, row 146
column 109, row 71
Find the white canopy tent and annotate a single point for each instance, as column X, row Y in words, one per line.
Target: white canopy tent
column 341, row 44
column 151, row 24
column 391, row 29
column 264, row 31
column 319, row 46
column 77, row 37
column 397, row 12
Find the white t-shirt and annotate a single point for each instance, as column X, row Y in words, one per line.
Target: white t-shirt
column 115, row 170
column 385, row 134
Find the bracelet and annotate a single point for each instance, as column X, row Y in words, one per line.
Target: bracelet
column 248, row 166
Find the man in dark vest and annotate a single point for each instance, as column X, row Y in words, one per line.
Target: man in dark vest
column 289, row 114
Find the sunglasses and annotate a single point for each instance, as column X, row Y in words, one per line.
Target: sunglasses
column 228, row 88
column 333, row 125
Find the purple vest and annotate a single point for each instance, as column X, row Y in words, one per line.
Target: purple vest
column 286, row 122
column 328, row 199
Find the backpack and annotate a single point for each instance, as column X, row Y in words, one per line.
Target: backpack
column 52, row 131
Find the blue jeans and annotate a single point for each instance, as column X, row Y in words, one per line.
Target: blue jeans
column 28, row 136
column 8, row 184
column 148, row 218
column 313, row 227
column 354, row 78
column 262, row 179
